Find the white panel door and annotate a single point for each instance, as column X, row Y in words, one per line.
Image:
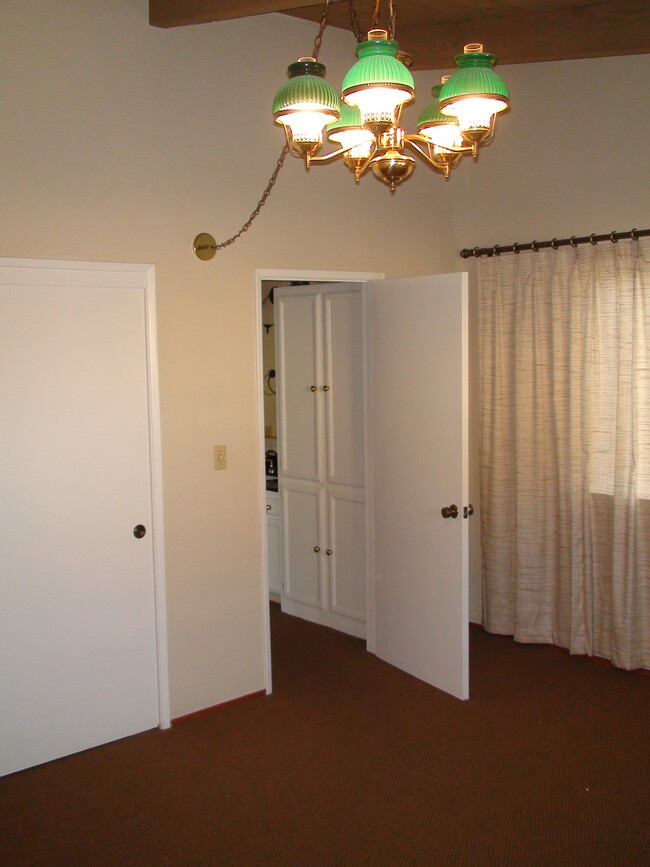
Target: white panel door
column 78, row 660
column 418, row 460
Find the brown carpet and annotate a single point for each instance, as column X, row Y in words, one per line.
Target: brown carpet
column 351, row 762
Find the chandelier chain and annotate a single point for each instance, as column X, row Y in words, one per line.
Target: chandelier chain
column 262, row 201
column 375, row 15
column 321, row 29
column 354, row 21
column 392, row 15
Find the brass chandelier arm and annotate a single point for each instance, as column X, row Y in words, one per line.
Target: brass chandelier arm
column 332, row 155
column 413, row 139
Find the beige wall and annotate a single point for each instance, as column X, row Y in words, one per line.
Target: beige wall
column 121, row 142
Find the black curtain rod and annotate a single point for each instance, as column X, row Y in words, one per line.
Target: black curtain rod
column 634, row 234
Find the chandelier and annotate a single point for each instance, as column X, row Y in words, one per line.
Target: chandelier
column 363, row 122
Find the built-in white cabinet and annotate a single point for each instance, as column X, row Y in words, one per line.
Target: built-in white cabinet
column 321, row 447
column 274, row 543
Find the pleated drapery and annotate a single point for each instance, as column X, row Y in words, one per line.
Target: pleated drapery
column 565, row 448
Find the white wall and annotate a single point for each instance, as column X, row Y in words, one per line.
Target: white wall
column 120, row 142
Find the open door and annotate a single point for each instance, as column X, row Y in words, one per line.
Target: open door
column 417, row 466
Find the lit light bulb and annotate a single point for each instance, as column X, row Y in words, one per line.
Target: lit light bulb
column 378, row 104
column 475, row 112
column 443, row 136
column 358, row 139
column 305, row 123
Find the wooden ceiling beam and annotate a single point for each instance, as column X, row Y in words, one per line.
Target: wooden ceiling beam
column 599, row 30
column 178, row 13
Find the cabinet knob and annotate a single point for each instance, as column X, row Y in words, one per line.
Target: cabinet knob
column 268, row 507
column 326, row 388
column 314, row 388
column 316, row 549
column 328, row 551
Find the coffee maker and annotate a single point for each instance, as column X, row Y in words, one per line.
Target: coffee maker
column 271, row 462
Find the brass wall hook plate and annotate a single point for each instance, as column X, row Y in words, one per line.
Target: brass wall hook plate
column 204, row 246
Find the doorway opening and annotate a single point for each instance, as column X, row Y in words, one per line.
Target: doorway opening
column 270, row 457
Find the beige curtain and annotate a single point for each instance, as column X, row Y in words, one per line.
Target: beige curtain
column 565, row 448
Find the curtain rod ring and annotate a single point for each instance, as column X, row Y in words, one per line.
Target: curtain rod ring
column 634, row 235
column 533, row 246
column 515, row 247
column 592, row 240
column 496, row 250
column 554, row 243
column 613, row 237
column 572, row 241
column 477, row 252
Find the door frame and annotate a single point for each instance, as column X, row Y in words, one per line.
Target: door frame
column 312, row 276
column 148, row 273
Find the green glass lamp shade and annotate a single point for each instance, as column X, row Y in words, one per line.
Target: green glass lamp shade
column 349, row 133
column 378, row 83
column 348, row 127
column 474, row 92
column 306, row 102
column 441, row 129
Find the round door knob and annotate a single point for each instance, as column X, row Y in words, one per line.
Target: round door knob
column 328, row 551
column 326, row 388
column 316, row 548
column 314, row 388
column 449, row 511
column 139, row 531
column 268, row 507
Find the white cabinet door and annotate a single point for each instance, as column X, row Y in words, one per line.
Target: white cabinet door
column 78, row 659
column 418, row 454
column 302, row 516
column 321, row 431
column 299, row 397
column 343, row 379
column 347, row 562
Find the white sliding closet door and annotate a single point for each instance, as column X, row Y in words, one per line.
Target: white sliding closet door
column 79, row 660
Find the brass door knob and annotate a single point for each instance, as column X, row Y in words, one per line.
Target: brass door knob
column 468, row 511
column 326, row 388
column 449, row 511
column 328, row 551
column 268, row 507
column 316, row 549
column 314, row 388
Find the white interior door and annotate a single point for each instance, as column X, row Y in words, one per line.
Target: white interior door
column 417, row 453
column 78, row 652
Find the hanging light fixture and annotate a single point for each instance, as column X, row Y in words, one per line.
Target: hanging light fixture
column 364, row 121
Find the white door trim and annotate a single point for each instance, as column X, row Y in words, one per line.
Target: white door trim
column 158, row 542
column 313, row 276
